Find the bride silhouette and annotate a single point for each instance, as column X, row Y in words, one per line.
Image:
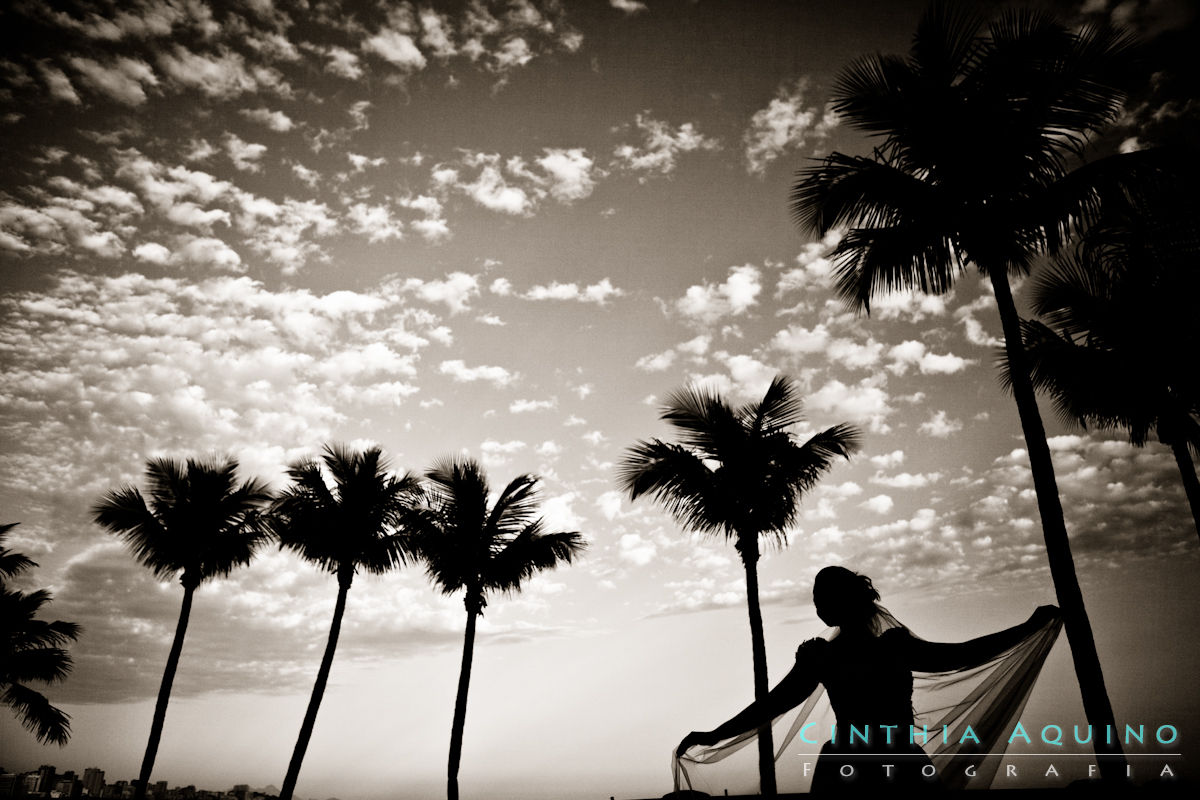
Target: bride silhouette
column 971, row 693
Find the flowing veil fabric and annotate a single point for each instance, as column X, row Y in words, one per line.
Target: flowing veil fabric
column 987, row 697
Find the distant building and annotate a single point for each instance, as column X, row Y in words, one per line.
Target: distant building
column 46, row 777
column 93, row 782
column 11, row 785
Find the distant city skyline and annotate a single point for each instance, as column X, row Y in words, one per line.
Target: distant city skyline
column 509, row 229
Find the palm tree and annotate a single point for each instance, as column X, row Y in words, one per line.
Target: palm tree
column 31, row 650
column 977, row 132
column 1119, row 347
column 471, row 544
column 345, row 528
column 737, row 472
column 199, row 523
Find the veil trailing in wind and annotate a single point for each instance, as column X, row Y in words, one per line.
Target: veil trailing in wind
column 968, row 713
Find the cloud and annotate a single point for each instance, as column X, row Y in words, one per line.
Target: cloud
column 496, row 454
column 152, row 252
column 784, row 125
column 375, row 222
column 888, row 460
column 863, row 403
column 707, row 303
column 206, row 251
column 880, row 504
column 457, row 369
column 455, row 291
column 525, row 406
column 244, row 155
column 58, row 84
column 913, row 353
column 630, row 7
column 570, row 173
column 341, row 62
column 597, row 293
column 275, row 120
column 636, row 550
column 813, row 268
column 123, row 79
column 661, row 146
column 223, row 75
column 397, row 48
column 940, row 425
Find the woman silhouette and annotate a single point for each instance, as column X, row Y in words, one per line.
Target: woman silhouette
column 867, row 670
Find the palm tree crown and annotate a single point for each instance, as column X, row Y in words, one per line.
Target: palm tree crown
column 355, row 524
column 738, row 471
column 471, row 544
column 31, row 650
column 1117, row 346
column 198, row 521
column 977, row 132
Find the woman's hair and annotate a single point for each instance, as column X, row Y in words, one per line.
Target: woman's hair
column 856, row 595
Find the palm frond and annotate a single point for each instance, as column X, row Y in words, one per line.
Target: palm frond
column 677, row 479
column 49, row 724
column 529, row 552
column 12, row 563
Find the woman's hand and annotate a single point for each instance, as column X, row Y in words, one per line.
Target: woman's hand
column 1044, row 614
column 705, row 738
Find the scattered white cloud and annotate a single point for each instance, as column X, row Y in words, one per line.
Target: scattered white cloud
column 661, row 146
column 707, row 303
column 940, row 425
column 275, row 120
column 785, row 125
column 455, row 291
column 396, row 48
column 459, row 371
column 630, row 7
column 244, row 155
column 524, row 406
column 598, row 293
column 880, row 504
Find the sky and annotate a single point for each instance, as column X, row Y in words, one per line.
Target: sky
column 508, row 230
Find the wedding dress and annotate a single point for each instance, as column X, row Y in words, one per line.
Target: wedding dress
column 961, row 719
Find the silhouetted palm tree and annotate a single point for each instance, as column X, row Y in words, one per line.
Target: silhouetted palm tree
column 31, row 650
column 351, row 526
column 199, row 523
column 1120, row 347
column 976, row 130
column 737, row 472
column 470, row 545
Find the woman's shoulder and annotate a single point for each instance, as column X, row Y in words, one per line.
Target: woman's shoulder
column 812, row 648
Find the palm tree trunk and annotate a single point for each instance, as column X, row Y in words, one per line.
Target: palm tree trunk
column 460, row 705
column 1187, row 471
column 1096, row 705
column 314, row 703
column 758, row 648
column 164, row 693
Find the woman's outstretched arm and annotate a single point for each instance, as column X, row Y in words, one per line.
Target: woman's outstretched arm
column 790, row 692
column 943, row 657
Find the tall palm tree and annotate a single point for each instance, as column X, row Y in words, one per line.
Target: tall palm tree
column 1119, row 348
column 471, row 544
column 737, row 472
column 198, row 523
column 977, row 130
column 352, row 526
column 31, row 650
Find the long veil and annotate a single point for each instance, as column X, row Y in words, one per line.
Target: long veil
column 989, row 698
